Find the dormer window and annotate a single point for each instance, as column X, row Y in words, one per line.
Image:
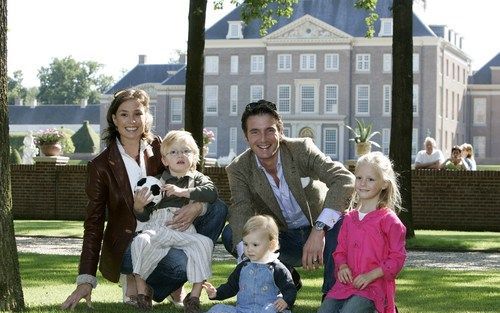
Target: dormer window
column 235, row 30
column 385, row 27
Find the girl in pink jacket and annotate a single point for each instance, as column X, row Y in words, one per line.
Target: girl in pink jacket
column 371, row 243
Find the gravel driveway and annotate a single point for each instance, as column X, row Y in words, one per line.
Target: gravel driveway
column 446, row 260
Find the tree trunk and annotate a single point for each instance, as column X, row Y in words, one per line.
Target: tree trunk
column 194, row 72
column 11, row 292
column 402, row 100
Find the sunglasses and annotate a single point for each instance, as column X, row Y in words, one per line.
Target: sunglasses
column 260, row 104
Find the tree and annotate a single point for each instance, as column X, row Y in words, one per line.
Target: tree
column 15, row 88
column 402, row 104
column 11, row 292
column 67, row 81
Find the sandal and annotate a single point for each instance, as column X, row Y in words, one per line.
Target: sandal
column 178, row 305
column 145, row 302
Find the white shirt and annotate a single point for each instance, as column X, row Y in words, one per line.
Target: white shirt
column 422, row 157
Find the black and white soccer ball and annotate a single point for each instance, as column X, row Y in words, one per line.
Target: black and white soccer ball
column 154, row 186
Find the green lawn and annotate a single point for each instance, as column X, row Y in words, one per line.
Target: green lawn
column 49, row 279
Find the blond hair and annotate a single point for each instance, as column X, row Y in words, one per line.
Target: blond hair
column 266, row 224
column 181, row 136
column 389, row 197
column 469, row 149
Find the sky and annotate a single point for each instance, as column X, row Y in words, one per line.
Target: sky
column 115, row 32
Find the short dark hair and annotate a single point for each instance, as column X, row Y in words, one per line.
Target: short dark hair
column 456, row 148
column 259, row 108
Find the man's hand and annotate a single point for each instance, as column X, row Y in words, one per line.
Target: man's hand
column 312, row 253
column 81, row 291
column 185, row 216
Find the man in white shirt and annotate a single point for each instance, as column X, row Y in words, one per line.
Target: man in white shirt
column 431, row 157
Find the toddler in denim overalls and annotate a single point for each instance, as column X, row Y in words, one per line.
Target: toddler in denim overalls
column 261, row 283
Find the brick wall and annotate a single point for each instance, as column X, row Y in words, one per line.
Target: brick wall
column 441, row 199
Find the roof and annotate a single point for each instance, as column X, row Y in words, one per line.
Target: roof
column 341, row 14
column 53, row 114
column 483, row 75
column 145, row 73
column 178, row 78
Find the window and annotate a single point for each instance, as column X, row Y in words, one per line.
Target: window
column 284, row 62
column 307, row 98
column 256, row 93
column 331, row 99
column 479, row 117
column 479, row 144
column 234, row 64
column 362, row 62
column 284, row 98
column 446, row 104
column 415, row 100
column 287, row 131
column 386, row 99
column 233, row 100
column 212, row 147
column 211, row 65
column 386, row 140
column 362, row 99
column 330, row 142
column 414, row 142
column 387, row 63
column 233, row 139
column 440, row 101
column 176, row 110
column 416, row 63
column 257, row 64
column 152, row 110
column 452, row 105
column 447, row 68
column 211, row 99
column 331, row 62
column 385, row 27
column 308, row 62
column 234, row 30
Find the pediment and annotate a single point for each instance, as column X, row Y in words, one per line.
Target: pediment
column 308, row 27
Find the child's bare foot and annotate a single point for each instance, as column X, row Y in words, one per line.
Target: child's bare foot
column 130, row 297
column 144, row 294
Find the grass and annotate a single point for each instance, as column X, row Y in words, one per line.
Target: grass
column 49, row 279
column 430, row 240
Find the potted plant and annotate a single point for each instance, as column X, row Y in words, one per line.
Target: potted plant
column 362, row 137
column 208, row 137
column 49, row 141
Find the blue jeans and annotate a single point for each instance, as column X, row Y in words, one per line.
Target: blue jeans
column 354, row 304
column 170, row 274
column 292, row 242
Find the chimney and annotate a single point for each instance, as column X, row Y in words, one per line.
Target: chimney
column 83, row 103
column 142, row 59
column 182, row 58
column 33, row 104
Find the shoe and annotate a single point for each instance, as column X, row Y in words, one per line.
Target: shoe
column 191, row 304
column 131, row 300
column 296, row 278
column 145, row 302
column 178, row 305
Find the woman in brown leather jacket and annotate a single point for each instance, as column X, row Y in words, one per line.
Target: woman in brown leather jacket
column 132, row 152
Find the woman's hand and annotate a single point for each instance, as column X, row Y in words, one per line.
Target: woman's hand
column 185, row 216
column 210, row 289
column 81, row 291
column 363, row 280
column 344, row 274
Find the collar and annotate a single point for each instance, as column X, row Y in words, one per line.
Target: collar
column 278, row 162
column 268, row 258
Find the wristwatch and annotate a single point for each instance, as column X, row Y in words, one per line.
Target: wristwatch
column 319, row 225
